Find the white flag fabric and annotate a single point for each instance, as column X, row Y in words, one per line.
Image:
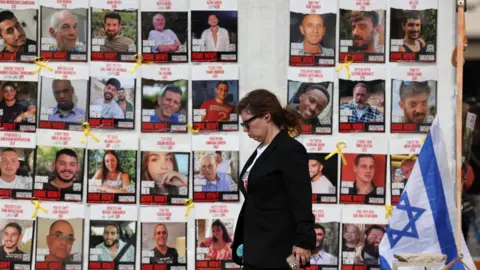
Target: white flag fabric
column 424, row 221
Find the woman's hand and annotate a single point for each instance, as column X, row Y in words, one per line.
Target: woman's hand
column 176, row 179
column 302, row 256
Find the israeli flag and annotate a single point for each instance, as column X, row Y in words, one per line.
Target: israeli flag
column 424, row 221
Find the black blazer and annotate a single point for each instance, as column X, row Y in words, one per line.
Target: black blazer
column 277, row 211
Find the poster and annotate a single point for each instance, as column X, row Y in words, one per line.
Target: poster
column 165, row 98
column 17, row 152
column 59, row 164
column 18, row 97
column 64, row 30
column 362, row 31
column 310, row 92
column 214, row 31
column 414, row 98
column 165, row 31
column 413, row 31
column 165, row 169
column 63, row 100
column 312, row 32
column 327, row 232
column 112, row 168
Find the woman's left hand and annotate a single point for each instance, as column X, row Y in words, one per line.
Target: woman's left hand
column 175, row 179
column 302, row 255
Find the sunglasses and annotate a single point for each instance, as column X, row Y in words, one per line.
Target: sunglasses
column 247, row 122
column 59, row 235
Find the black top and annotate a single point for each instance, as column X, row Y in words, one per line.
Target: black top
column 10, row 113
column 277, row 211
column 170, row 257
column 17, row 255
column 50, row 186
column 28, row 42
column 422, row 48
column 371, row 194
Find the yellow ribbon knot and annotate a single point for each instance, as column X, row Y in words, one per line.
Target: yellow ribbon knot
column 87, row 132
column 37, row 206
column 339, row 150
column 195, row 129
column 139, row 62
column 189, row 204
column 388, row 211
column 346, row 64
column 41, row 63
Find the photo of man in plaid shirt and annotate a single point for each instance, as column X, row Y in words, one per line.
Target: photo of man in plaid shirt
column 359, row 111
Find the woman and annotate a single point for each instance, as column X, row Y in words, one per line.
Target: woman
column 276, row 219
column 162, row 168
column 114, row 178
column 219, row 245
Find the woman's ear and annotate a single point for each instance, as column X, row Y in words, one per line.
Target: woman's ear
column 268, row 117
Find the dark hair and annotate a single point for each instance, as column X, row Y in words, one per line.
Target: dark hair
column 316, row 157
column 104, row 167
column 360, row 156
column 11, row 84
column 361, row 84
column 225, row 235
column 376, row 227
column 113, row 225
column 319, row 87
column 212, row 14
column 66, row 151
column 173, row 89
column 408, row 88
column 319, row 226
column 14, row 225
column 359, row 15
column 411, row 14
column 171, row 190
column 114, row 82
column 6, row 15
column 222, row 82
column 260, row 102
column 9, row 150
column 112, row 15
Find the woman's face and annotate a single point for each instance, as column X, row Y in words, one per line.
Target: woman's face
column 111, row 162
column 256, row 126
column 217, row 232
column 160, row 163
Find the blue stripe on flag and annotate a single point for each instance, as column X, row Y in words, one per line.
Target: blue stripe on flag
column 436, row 197
column 384, row 264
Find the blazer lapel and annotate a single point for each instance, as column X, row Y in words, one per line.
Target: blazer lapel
column 267, row 152
column 245, row 167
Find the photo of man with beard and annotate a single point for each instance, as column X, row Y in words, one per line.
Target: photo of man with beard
column 115, row 241
column 369, row 254
column 18, row 39
column 11, row 238
column 320, row 256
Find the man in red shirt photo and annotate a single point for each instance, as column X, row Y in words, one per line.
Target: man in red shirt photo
column 217, row 109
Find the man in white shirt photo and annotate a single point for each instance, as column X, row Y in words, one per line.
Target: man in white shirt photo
column 319, row 255
column 109, row 107
column 320, row 183
column 9, row 165
column 215, row 38
column 223, row 165
column 165, row 39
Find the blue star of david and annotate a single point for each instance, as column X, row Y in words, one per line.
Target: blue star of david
column 410, row 230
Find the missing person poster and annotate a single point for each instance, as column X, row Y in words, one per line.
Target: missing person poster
column 112, row 95
column 18, row 227
column 362, row 100
column 215, row 94
column 112, row 228
column 59, row 166
column 214, row 31
column 18, row 97
column 215, row 168
column 327, row 237
column 362, row 31
column 310, row 92
column 163, row 233
column 164, row 31
column 63, row 100
column 414, row 98
column 323, row 172
column 64, row 30
column 214, row 232
column 165, row 169
column 114, row 29
column 362, row 232
column 21, row 17
column 363, row 178
column 413, row 30
column 60, row 236
column 165, row 98
column 112, row 168
column 17, row 153
column 312, row 32
column 403, row 155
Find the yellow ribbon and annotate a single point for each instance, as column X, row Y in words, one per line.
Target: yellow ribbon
column 36, row 204
column 138, row 62
column 87, row 132
column 194, row 130
column 347, row 62
column 339, row 148
column 189, row 204
column 388, row 211
column 41, row 63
